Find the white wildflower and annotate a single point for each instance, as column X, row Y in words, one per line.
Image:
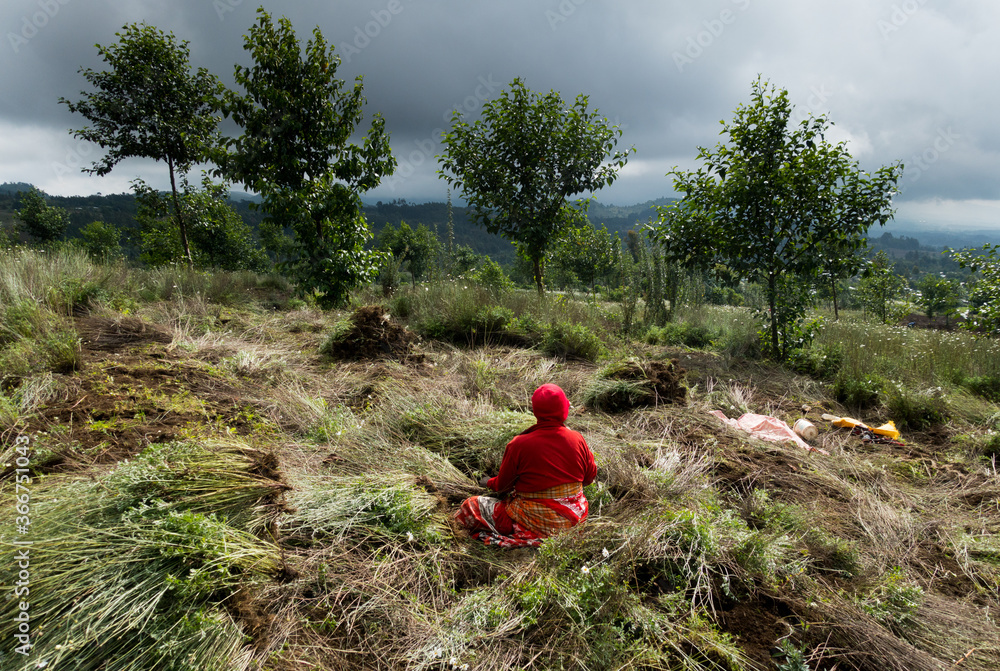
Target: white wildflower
column 585, row 569
column 605, row 552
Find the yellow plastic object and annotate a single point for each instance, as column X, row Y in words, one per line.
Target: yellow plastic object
column 847, row 422
column 888, row 429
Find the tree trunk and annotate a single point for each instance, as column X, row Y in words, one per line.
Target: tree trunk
column 537, row 268
column 772, row 291
column 181, row 226
column 833, row 287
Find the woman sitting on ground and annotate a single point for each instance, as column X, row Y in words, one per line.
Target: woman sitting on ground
column 546, row 467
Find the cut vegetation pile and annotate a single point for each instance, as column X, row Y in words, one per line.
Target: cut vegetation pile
column 239, row 500
column 373, row 334
column 637, row 384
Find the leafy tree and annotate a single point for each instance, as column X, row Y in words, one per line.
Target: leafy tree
column 296, row 151
column 938, row 296
column 219, row 238
column 150, row 105
column 102, row 241
column 44, row 223
column 879, row 287
column 520, row 162
column 772, row 204
column 417, row 248
column 985, row 298
column 589, row 252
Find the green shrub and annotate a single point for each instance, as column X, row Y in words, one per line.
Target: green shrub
column 822, row 362
column 916, row 410
column 680, row 333
column 572, row 341
column 858, row 391
column 491, row 277
column 987, row 386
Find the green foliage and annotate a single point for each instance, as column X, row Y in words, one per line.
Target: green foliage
column 820, row 361
column 590, row 253
column 416, row 248
column 217, row 236
column 985, row 315
column 916, row 409
column 895, row 600
column 102, row 241
column 44, row 223
column 879, row 287
column 938, row 295
column 859, row 391
column 987, row 386
column 492, row 277
column 150, row 105
column 296, row 151
column 772, row 203
column 519, row 162
column 680, row 333
column 795, row 658
column 572, row 341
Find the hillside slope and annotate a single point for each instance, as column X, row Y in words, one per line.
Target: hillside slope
column 210, row 491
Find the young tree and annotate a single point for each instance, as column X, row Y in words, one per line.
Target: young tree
column 150, row 105
column 296, row 151
column 589, row 252
column 219, row 238
column 773, row 203
column 938, row 296
column 520, row 162
column 985, row 299
column 879, row 287
column 44, row 223
column 415, row 247
column 101, row 241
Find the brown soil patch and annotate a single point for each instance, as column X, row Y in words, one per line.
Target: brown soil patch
column 375, row 335
column 104, row 334
column 757, row 627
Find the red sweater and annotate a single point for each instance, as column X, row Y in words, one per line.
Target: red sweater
column 547, row 454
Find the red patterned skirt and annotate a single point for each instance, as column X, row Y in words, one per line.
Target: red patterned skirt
column 524, row 519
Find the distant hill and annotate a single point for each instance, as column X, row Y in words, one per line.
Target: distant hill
column 902, row 240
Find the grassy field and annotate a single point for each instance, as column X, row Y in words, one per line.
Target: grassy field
column 222, row 477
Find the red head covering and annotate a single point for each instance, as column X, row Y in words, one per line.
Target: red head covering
column 550, row 404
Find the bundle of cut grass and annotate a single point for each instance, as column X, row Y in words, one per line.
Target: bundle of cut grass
column 378, row 504
column 472, row 444
column 633, row 384
column 142, row 586
column 226, row 478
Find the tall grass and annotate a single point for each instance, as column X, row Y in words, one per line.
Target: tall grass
column 131, row 570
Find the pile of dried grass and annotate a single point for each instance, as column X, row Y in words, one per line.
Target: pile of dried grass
column 373, row 334
column 636, row 384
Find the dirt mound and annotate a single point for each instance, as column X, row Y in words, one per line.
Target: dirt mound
column 104, row 334
column 374, row 335
column 638, row 384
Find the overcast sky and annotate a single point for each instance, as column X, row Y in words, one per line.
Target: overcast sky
column 909, row 80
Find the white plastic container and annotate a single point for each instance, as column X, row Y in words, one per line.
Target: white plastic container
column 805, row 428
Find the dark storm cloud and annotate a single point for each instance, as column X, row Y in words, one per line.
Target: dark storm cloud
column 908, row 80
